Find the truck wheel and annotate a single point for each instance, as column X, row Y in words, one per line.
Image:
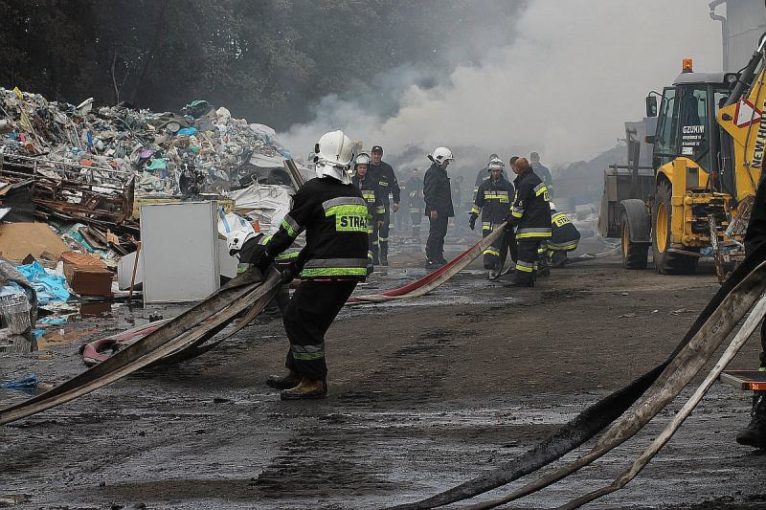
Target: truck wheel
column 634, row 255
column 666, row 261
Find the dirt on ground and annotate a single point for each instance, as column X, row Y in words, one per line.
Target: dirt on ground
column 423, row 395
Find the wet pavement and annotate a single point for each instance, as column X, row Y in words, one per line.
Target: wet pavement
column 423, row 395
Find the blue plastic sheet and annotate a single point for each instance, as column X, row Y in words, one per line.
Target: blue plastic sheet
column 190, row 131
column 28, row 381
column 50, row 287
column 52, row 320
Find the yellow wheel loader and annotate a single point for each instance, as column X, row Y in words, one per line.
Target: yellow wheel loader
column 695, row 199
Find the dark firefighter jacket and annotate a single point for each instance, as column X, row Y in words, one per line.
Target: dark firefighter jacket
column 530, row 212
column 437, row 193
column 384, row 175
column 493, row 199
column 755, row 236
column 564, row 235
column 335, row 218
column 371, row 194
column 415, row 191
column 482, row 176
column 543, row 173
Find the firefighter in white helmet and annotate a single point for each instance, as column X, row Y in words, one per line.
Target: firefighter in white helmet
column 493, row 201
column 372, row 194
column 438, row 198
column 334, row 215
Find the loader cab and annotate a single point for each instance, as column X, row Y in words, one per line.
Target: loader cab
column 686, row 123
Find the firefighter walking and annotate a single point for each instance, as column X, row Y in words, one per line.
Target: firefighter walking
column 375, row 209
column 531, row 215
column 493, row 200
column 335, row 216
column 384, row 175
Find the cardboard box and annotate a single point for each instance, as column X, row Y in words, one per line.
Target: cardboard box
column 73, row 259
column 91, row 281
column 17, row 240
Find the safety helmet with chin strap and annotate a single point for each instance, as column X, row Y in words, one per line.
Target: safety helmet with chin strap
column 333, row 154
column 237, row 238
column 496, row 164
column 362, row 159
column 441, row 155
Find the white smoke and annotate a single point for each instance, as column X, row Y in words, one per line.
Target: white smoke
column 577, row 70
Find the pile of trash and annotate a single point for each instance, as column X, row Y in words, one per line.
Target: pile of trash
column 86, row 170
column 73, row 179
column 201, row 147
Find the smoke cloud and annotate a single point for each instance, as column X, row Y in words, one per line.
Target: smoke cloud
column 573, row 73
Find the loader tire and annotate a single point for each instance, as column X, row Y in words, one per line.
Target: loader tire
column 665, row 261
column 634, row 255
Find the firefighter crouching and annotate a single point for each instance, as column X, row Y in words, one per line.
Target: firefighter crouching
column 564, row 238
column 531, row 215
column 335, row 216
column 493, row 199
column 375, row 208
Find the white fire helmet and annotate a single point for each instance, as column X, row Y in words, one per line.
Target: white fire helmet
column 362, row 159
column 333, row 154
column 441, row 155
column 496, row 164
column 237, row 238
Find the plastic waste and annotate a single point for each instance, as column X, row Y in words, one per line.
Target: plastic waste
column 49, row 286
column 26, row 382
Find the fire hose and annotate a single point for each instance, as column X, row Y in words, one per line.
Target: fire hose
column 184, row 337
column 436, row 278
column 731, row 303
column 171, row 339
column 655, row 389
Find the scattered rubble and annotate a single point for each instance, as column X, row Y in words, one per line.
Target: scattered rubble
column 73, row 179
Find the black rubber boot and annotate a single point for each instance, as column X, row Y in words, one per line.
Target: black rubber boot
column 432, row 265
column 307, row 389
column 755, row 433
column 384, row 253
column 283, row 382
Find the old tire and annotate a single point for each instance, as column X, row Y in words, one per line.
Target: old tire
column 665, row 261
column 634, row 255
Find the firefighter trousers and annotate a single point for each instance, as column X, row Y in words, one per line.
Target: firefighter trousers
column 494, row 253
column 435, row 242
column 526, row 262
column 416, row 217
column 374, row 245
column 307, row 317
column 385, row 227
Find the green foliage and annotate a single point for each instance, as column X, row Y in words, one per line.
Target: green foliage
column 264, row 59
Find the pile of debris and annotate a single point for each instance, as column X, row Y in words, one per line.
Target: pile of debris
column 73, row 180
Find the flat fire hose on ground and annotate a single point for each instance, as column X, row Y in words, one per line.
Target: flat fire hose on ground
column 739, row 340
column 434, row 279
column 172, row 339
column 178, row 339
column 95, row 352
column 730, row 304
